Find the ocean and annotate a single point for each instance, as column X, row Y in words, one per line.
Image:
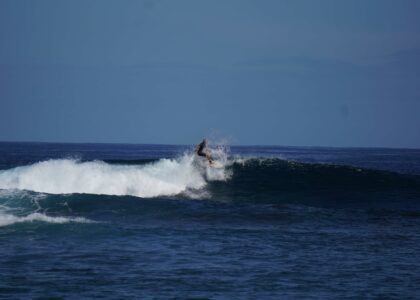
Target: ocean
column 124, row 221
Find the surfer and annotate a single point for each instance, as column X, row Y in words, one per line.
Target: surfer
column 199, row 149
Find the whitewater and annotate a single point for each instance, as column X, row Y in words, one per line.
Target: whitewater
column 131, row 221
column 184, row 174
column 164, row 177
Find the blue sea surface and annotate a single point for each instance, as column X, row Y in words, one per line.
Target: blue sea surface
column 124, row 221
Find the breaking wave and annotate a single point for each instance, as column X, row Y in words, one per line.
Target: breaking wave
column 164, row 177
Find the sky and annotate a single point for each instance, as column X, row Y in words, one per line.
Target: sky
column 301, row 73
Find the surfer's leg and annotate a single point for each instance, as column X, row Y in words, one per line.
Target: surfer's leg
column 209, row 158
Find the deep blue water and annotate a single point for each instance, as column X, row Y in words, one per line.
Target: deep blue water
column 155, row 222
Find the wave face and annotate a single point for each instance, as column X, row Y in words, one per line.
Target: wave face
column 282, row 181
column 164, row 177
column 254, row 179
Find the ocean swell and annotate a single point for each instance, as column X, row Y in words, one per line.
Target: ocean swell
column 281, row 181
column 247, row 180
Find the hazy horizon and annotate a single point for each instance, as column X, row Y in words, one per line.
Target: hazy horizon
column 307, row 73
column 213, row 144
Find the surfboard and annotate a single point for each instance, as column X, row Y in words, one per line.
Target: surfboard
column 217, row 165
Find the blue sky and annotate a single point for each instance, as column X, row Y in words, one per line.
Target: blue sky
column 325, row 73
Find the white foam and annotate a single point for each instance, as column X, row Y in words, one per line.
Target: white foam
column 9, row 219
column 66, row 176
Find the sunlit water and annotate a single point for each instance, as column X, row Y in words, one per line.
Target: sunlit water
column 147, row 221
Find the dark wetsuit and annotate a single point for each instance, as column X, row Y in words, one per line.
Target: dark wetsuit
column 200, row 149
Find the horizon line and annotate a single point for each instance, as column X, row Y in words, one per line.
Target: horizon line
column 233, row 145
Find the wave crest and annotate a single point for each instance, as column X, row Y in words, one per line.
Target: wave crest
column 164, row 177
